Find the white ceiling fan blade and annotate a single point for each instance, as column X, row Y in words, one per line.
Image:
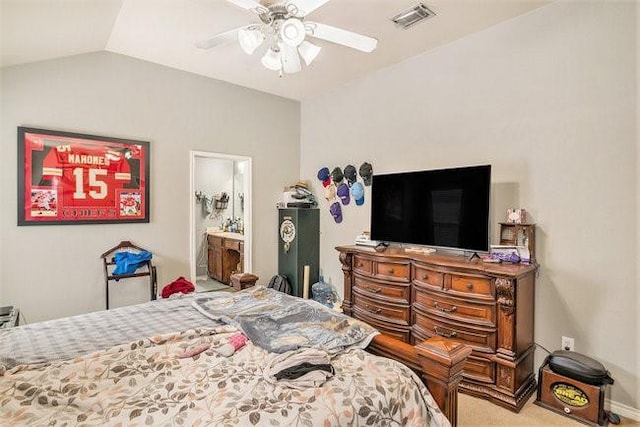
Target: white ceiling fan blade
column 218, row 39
column 290, row 58
column 250, row 5
column 305, row 7
column 340, row 36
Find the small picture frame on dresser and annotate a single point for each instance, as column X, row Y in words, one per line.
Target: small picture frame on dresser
column 516, row 216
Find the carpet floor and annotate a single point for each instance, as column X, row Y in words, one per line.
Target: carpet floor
column 473, row 411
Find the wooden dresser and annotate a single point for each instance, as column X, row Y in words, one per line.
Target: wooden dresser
column 413, row 296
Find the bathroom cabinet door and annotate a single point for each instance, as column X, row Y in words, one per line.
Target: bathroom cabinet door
column 215, row 258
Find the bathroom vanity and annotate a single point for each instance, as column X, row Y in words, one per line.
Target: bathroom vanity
column 225, row 255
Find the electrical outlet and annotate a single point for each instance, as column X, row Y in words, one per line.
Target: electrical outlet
column 568, row 343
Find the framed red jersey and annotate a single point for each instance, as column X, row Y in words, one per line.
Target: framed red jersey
column 71, row 178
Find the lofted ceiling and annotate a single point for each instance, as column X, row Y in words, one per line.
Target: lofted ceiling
column 165, row 32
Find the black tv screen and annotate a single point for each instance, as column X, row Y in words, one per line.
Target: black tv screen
column 446, row 208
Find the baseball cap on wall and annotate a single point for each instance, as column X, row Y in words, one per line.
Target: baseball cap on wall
column 350, row 174
column 323, row 175
column 343, row 193
column 357, row 192
column 330, row 192
column 366, row 172
column 336, row 175
column 336, row 212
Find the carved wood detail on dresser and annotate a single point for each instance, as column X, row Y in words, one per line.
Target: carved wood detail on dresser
column 412, row 296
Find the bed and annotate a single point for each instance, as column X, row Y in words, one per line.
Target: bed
column 162, row 362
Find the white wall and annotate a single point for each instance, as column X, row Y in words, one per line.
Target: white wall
column 55, row 271
column 549, row 99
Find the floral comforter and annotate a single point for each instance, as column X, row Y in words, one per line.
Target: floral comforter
column 146, row 383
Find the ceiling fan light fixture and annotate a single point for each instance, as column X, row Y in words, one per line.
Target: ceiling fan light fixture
column 250, row 39
column 308, row 51
column 292, row 32
column 272, row 60
column 290, row 59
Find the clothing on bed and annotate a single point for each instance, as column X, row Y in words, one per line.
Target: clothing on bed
column 278, row 322
column 297, row 371
column 287, row 362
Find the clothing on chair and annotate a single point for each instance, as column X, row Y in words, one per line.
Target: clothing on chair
column 129, row 262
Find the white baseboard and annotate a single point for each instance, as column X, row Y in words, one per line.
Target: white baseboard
column 623, row 410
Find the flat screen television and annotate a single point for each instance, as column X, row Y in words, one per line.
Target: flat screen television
column 447, row 208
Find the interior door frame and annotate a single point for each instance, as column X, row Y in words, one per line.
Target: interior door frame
column 247, row 212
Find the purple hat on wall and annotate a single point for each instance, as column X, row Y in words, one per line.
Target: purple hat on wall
column 343, row 193
column 336, row 212
column 357, row 192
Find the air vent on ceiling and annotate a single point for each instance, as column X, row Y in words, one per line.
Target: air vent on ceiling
column 412, row 16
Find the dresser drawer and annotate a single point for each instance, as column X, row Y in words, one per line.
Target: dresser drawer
column 480, row 369
column 475, row 368
column 463, row 310
column 232, row 244
column 472, row 286
column 427, row 277
column 398, row 332
column 479, row 338
column 384, row 311
column 399, row 293
column 392, row 271
column 362, row 265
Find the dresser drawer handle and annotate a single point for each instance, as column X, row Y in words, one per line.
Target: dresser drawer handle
column 425, row 277
column 445, row 309
column 444, row 334
column 391, row 271
column 469, row 285
column 374, row 290
column 374, row 310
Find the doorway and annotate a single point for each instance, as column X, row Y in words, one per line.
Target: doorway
column 219, row 200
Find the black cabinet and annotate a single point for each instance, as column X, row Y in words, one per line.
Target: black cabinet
column 299, row 246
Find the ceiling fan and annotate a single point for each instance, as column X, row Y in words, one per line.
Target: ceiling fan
column 283, row 25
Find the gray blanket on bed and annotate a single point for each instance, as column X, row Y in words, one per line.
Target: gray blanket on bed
column 278, row 322
column 73, row 336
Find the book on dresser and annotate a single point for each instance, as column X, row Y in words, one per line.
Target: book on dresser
column 413, row 296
